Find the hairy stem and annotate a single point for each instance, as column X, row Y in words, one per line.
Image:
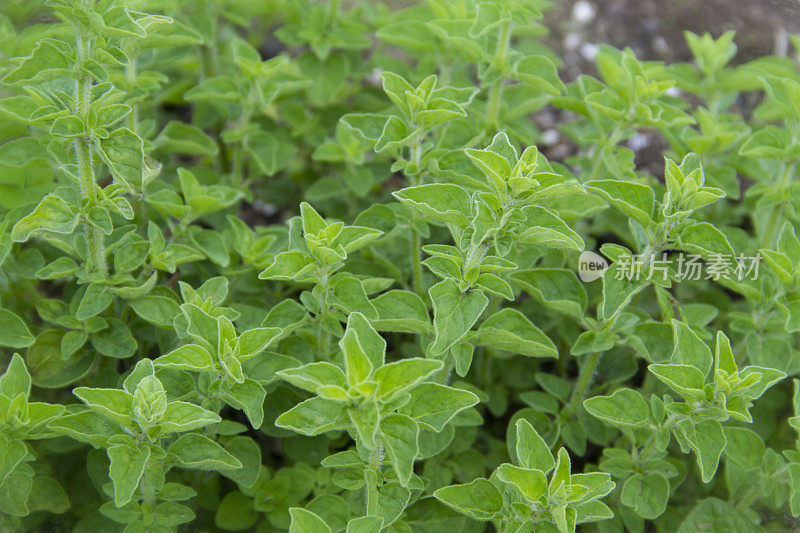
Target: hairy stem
column 323, row 315
column 584, row 380
column 496, row 89
column 96, row 260
column 374, row 468
column 771, row 229
column 415, row 237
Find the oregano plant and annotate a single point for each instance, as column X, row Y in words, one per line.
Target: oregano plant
column 320, row 267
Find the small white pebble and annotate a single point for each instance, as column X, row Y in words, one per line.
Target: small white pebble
column 637, row 142
column 660, row 44
column 589, row 51
column 264, row 209
column 550, row 137
column 572, row 41
column 583, row 12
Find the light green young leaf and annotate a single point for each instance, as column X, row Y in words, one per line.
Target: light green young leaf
column 624, row 408
column 365, row 524
column 454, row 313
column 16, row 379
column 479, row 499
column 396, row 378
column 433, row 405
column 188, row 357
column 690, row 349
column 127, row 467
column 444, row 203
column 14, row 333
column 52, row 215
column 306, row 522
column 399, row 435
column 634, row 199
column 532, row 451
column 313, row 416
column 198, row 451
column 185, row 416
column 116, row 404
column 508, row 329
column 707, row 440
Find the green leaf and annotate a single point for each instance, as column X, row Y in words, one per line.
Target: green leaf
column 531, row 483
column 713, row 514
column 690, row 349
column 312, row 376
column 94, row 301
column 158, row 310
column 12, row 452
column 634, row 199
column 647, row 493
column 86, row 426
column 197, row 451
column 396, row 378
column 306, row 522
column 532, row 451
column 68, row 126
column 365, row 524
column 116, row 404
column 47, row 61
column 433, row 405
column 707, row 440
column 185, row 416
column 401, row 311
column 313, row 416
column 557, row 288
column 686, row 380
column 479, row 499
column 706, row 240
column 544, row 227
column 52, row 215
column 399, row 435
column 444, row 203
column 123, row 153
column 235, row 512
column 394, row 136
column 539, row 71
column 187, row 357
column 508, row 329
column 13, row 330
column 624, row 408
column 361, row 339
column 16, row 379
column 249, row 397
column 183, row 138
column 744, row 447
column 454, row 313
column 127, row 467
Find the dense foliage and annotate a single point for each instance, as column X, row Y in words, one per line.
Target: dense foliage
column 300, row 265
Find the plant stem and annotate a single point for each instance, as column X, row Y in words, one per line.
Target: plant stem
column 374, row 468
column 330, row 15
column 612, row 140
column 584, row 380
column 771, row 230
column 495, row 91
column 323, row 315
column 416, row 238
column 96, row 260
